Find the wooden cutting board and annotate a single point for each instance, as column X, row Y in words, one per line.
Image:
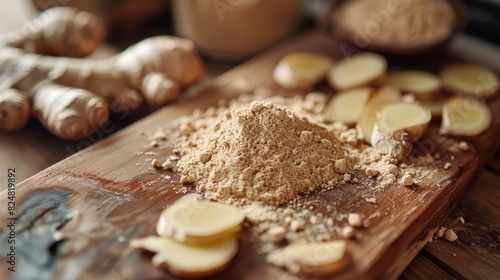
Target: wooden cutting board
column 74, row 219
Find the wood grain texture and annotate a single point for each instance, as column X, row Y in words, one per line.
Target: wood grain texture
column 494, row 164
column 422, row 268
column 479, row 236
column 108, row 194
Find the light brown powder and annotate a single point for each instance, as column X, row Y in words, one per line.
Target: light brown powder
column 260, row 153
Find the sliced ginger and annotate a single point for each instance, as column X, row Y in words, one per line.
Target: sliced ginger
column 190, row 261
column 465, row 116
column 413, row 118
column 384, row 96
column 470, row 79
column 301, row 70
column 435, row 106
column 423, row 85
column 362, row 69
column 313, row 259
column 347, row 106
column 196, row 237
column 398, row 126
column 193, row 221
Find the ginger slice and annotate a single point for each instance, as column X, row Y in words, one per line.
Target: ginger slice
column 384, row 96
column 313, row 259
column 348, row 105
column 301, row 70
column 423, row 85
column 398, row 126
column 411, row 117
column 470, row 79
column 190, row 261
column 465, row 116
column 362, row 69
column 193, row 221
column 435, row 106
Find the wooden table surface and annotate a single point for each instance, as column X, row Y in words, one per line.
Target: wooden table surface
column 475, row 255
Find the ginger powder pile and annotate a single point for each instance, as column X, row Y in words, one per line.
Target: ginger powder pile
column 261, row 152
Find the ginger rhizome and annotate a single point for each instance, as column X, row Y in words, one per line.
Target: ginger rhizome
column 72, row 96
column 59, row 32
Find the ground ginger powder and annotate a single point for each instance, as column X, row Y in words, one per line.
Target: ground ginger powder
column 262, row 152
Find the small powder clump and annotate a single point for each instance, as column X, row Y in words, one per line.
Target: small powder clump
column 259, row 153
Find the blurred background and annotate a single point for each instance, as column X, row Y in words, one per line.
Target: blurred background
column 229, row 30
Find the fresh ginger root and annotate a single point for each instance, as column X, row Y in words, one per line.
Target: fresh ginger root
column 14, row 109
column 60, row 31
column 69, row 113
column 65, row 91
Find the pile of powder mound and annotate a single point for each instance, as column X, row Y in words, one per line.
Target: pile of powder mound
column 261, row 152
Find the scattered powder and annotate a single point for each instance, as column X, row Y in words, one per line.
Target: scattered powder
column 447, row 165
column 340, row 166
column 450, row 235
column 296, row 225
column 463, row 146
column 268, row 226
column 391, row 169
column 388, row 179
column 347, row 232
column 457, row 147
column 155, row 163
column 446, row 233
column 461, row 220
column 371, row 172
column 277, row 233
column 160, row 135
column 168, row 165
column 354, row 219
column 347, row 177
column 407, row 180
column 153, row 143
